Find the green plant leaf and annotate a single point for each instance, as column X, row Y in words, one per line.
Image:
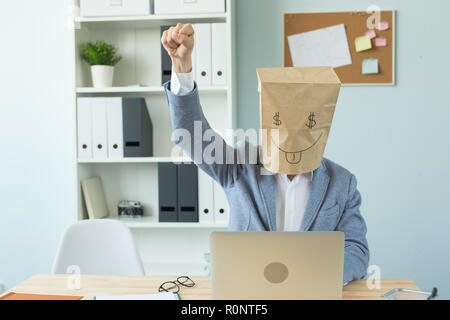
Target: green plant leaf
column 99, row 53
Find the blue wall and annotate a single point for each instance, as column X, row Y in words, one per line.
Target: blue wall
column 393, row 138
column 37, row 140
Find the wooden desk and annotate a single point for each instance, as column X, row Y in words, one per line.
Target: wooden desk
column 120, row 285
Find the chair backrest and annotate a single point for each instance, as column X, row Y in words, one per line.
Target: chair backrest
column 101, row 246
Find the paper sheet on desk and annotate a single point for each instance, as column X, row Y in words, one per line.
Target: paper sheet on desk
column 327, row 47
column 156, row 296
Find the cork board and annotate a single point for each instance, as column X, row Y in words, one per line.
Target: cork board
column 355, row 25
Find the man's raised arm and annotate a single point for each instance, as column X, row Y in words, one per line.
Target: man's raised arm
column 192, row 131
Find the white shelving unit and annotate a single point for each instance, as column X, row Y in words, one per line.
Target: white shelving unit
column 146, row 89
column 155, row 20
column 138, row 74
column 137, row 160
column 147, row 222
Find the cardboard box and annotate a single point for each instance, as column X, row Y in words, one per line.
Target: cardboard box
column 189, row 6
column 102, row 8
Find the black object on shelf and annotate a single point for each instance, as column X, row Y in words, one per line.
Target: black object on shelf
column 166, row 62
column 130, row 209
column 187, row 193
column 178, row 192
column 137, row 128
column 167, row 185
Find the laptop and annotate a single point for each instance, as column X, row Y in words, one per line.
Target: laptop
column 277, row 265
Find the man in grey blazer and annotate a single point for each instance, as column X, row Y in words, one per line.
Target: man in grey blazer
column 325, row 199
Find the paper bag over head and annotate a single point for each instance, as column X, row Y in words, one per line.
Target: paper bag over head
column 297, row 107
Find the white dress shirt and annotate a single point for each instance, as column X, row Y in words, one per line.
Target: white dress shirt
column 291, row 196
column 181, row 83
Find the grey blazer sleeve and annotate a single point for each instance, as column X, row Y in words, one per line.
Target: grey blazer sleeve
column 356, row 252
column 190, row 129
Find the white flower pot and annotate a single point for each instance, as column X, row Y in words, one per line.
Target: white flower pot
column 102, row 76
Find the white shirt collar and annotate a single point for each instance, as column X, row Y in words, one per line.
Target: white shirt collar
column 307, row 175
column 264, row 171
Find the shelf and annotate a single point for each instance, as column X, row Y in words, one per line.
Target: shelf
column 149, row 222
column 153, row 89
column 136, row 160
column 152, row 20
column 138, row 40
column 120, row 89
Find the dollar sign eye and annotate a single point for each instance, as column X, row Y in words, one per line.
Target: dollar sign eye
column 276, row 119
column 311, row 122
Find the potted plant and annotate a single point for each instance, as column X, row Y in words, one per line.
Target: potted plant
column 102, row 57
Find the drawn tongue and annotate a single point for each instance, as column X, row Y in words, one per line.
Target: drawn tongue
column 293, row 157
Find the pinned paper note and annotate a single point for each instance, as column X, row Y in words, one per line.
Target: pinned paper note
column 370, row 66
column 380, row 42
column 363, row 43
column 371, row 34
column 384, row 25
column 326, row 47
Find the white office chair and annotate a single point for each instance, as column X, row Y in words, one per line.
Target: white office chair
column 98, row 247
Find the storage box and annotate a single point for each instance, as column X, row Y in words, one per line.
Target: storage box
column 189, row 6
column 101, row 8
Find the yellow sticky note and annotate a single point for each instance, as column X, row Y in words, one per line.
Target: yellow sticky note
column 363, row 43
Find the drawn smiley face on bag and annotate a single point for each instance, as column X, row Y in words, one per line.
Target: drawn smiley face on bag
column 297, row 107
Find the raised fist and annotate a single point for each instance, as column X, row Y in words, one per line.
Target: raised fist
column 179, row 43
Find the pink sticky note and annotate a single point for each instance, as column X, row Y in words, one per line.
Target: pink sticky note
column 383, row 25
column 371, row 34
column 380, row 42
